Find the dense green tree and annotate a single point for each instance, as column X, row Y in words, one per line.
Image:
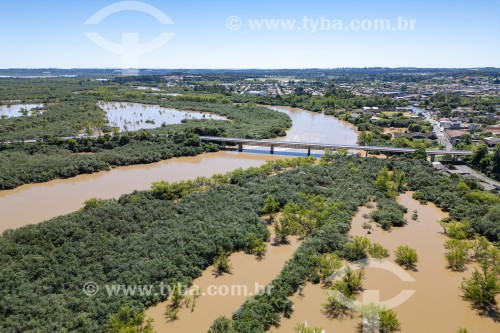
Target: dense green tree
column 495, row 163
column 420, row 153
column 389, row 213
column 480, row 159
column 365, row 139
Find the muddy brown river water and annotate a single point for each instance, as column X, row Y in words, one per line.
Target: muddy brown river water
column 221, row 296
column 35, row 203
column 436, row 305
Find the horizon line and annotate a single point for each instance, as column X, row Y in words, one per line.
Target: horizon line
column 248, row 68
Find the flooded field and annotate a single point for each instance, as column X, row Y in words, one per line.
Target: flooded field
column 19, row 110
column 135, row 116
column 248, row 274
column 435, row 306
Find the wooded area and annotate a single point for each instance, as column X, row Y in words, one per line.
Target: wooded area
column 175, row 231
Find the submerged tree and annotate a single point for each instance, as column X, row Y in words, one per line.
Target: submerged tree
column 255, row 245
column 377, row 251
column 222, row 264
column 327, row 264
column 304, row 328
column 484, row 285
column 176, row 300
column 128, row 320
column 271, row 206
column 406, row 256
column 340, row 302
column 384, row 183
column 379, row 319
column 458, row 253
column 356, row 249
column 283, row 228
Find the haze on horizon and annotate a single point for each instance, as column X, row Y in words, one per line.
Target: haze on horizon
column 232, row 35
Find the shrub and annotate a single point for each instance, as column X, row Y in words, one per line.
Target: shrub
column 356, row 248
column 406, row 257
column 304, row 328
column 377, row 251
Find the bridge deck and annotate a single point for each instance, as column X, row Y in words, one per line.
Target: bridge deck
column 325, row 146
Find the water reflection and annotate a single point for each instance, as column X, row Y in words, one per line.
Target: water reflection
column 136, row 116
column 19, row 110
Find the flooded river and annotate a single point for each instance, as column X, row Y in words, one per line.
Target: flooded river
column 317, row 127
column 436, row 305
column 34, row 203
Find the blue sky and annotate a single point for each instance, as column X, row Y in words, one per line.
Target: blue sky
column 51, row 33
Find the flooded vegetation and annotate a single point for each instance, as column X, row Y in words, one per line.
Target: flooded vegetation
column 221, row 295
column 135, row 116
column 157, row 236
column 176, row 232
column 19, row 110
column 437, row 296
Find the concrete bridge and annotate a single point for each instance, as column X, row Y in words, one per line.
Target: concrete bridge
column 325, row 146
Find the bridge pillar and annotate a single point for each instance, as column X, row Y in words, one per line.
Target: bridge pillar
column 387, row 155
column 366, row 153
column 433, row 158
column 240, row 147
column 308, row 151
column 223, row 145
column 272, row 149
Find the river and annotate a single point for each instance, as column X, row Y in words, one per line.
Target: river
column 34, row 203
